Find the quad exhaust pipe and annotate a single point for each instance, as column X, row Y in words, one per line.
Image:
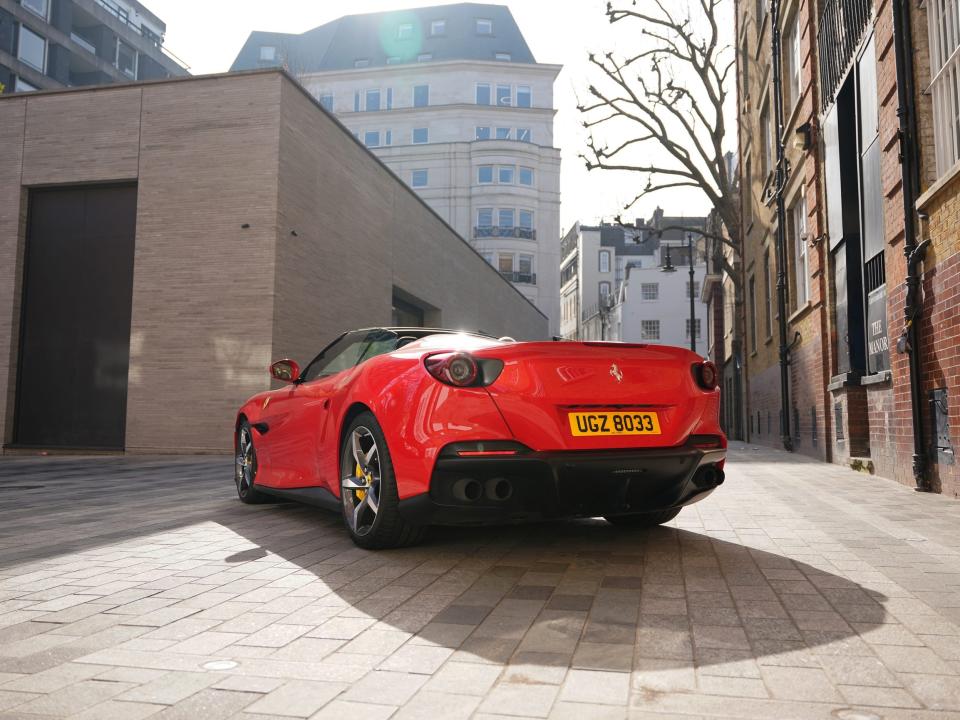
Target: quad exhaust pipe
column 471, row 490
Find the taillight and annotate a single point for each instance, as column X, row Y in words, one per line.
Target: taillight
column 706, row 375
column 462, row 369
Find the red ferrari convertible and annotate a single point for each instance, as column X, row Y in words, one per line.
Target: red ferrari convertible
column 401, row 428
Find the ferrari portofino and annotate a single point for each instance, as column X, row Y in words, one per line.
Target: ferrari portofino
column 402, row 428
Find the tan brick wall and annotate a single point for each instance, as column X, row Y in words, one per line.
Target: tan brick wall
column 210, row 309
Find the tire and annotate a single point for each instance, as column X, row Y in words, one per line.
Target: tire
column 245, row 466
column 369, row 499
column 643, row 520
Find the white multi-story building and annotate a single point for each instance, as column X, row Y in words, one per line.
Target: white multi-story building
column 613, row 286
column 452, row 100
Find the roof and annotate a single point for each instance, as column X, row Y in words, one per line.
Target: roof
column 338, row 44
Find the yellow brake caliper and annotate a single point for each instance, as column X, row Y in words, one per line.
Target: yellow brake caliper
column 358, row 473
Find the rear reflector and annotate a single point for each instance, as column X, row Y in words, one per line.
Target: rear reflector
column 484, row 453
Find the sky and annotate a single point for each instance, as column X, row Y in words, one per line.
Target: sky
column 208, row 34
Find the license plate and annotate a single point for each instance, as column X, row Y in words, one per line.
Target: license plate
column 614, row 423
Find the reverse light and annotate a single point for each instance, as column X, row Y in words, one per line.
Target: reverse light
column 462, row 369
column 706, row 374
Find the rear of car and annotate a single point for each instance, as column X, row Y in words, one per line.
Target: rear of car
column 598, row 429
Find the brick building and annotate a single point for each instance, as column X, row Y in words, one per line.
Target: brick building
column 871, row 165
column 161, row 242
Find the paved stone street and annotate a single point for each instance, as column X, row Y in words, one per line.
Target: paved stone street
column 133, row 588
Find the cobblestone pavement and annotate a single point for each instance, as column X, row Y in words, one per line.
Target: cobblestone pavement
column 140, row 587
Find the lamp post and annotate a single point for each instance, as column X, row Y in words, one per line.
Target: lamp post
column 693, row 312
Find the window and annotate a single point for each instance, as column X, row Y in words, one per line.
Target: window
column 23, row 86
column 696, row 289
column 604, row 261
column 745, row 66
column 268, row 53
column 526, row 219
column 361, row 63
column 32, row 49
column 523, row 134
column 752, row 299
column 485, row 174
column 404, row 31
column 484, row 26
column 348, row 351
column 525, row 267
column 502, row 56
column 649, row 329
column 505, row 264
column 505, row 218
column 767, row 294
column 488, row 256
column 798, row 221
column 483, row 93
column 373, row 100
column 394, row 60
column 523, row 96
column 503, row 133
column 126, row 59
column 485, row 217
column 418, row 178
column 421, row 95
column 438, row 27
column 37, row 6
column 483, row 133
column 326, row 100
column 420, row 136
column 388, row 138
column 696, row 326
column 356, row 101
column 649, row 291
column 604, row 291
column 526, row 176
column 389, row 98
column 371, row 138
column 504, row 96
column 945, row 70
column 792, row 65
column 424, row 57
column 748, row 191
column 505, row 175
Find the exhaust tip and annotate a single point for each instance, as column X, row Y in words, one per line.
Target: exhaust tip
column 499, row 489
column 708, row 477
column 467, row 489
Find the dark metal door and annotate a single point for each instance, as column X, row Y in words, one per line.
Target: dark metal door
column 75, row 322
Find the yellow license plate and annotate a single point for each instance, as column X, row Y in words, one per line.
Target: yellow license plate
column 614, row 423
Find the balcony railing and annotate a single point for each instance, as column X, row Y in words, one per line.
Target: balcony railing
column 841, row 28
column 486, row 231
column 520, row 277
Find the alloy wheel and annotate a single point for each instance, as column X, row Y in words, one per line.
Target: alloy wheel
column 360, row 488
column 246, row 462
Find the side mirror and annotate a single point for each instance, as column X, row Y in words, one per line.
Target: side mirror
column 285, row 371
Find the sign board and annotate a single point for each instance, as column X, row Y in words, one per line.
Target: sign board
column 878, row 339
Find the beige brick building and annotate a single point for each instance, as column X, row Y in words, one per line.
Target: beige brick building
column 219, row 222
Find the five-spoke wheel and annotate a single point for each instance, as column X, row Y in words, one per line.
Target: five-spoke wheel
column 245, row 471
column 368, row 488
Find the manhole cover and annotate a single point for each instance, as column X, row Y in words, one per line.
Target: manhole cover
column 220, row 665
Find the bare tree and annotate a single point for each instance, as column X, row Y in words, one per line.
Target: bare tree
column 669, row 97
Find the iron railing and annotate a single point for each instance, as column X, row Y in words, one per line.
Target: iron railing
column 842, row 26
column 520, row 277
column 485, row 231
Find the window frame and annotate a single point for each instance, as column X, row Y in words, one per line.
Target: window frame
column 324, row 105
column 478, row 134
column 529, row 172
column 442, row 22
column 509, row 89
column 486, row 22
column 426, row 136
column 480, row 169
column 524, row 90
column 511, row 174
column 489, row 93
column 646, row 296
column 527, row 131
column 273, row 55
column 649, row 329
column 46, row 6
column 603, row 259
column 21, row 58
column 497, row 133
column 367, row 134
column 401, row 35
column 413, row 95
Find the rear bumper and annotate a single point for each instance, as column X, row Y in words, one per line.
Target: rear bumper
column 535, row 486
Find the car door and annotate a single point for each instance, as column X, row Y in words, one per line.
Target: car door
column 296, row 417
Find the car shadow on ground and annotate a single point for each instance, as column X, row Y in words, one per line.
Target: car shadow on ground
column 574, row 593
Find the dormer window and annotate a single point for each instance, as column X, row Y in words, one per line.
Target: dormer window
column 405, row 31
column 438, row 27
column 424, row 57
column 502, row 56
column 361, row 62
column 484, row 26
column 268, row 53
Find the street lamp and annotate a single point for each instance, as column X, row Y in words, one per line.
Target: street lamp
column 693, row 312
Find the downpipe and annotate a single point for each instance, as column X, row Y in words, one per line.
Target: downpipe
column 781, row 244
column 909, row 341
